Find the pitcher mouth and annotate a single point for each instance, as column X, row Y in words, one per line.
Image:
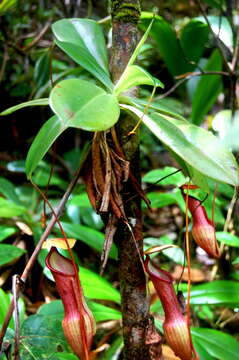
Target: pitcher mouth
column 59, row 264
column 154, row 270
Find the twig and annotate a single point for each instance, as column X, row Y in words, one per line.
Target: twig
column 44, row 236
column 173, row 88
column 219, row 45
column 38, row 37
column 16, row 285
column 199, row 73
column 4, row 62
column 187, row 76
column 236, row 53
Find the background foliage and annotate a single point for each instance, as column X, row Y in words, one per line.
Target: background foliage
column 30, row 63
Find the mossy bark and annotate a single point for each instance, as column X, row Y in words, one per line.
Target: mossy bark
column 141, row 340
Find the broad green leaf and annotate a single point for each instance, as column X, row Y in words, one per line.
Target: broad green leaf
column 103, row 313
column 174, row 254
column 9, row 209
column 37, row 102
column 48, row 133
column 216, row 343
column 227, row 238
column 221, row 28
column 96, row 287
column 236, row 261
column 65, row 356
column 100, row 312
column 42, row 69
column 8, row 253
column 7, row 5
column 91, row 237
column 196, row 146
column 208, row 88
column 198, row 178
column 6, row 231
column 201, row 351
column 160, row 199
column 81, row 104
column 167, row 174
column 83, row 41
column 81, row 200
column 41, row 337
column 42, row 175
column 135, row 75
column 167, row 43
column 8, row 190
column 194, row 29
column 220, row 292
column 158, row 106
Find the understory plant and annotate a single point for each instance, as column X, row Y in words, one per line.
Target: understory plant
column 100, row 105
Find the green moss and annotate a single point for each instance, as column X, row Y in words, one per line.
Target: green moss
column 126, row 11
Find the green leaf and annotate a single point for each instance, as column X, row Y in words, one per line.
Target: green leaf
column 198, row 178
column 42, row 142
column 160, row 199
column 9, row 253
column 91, row 237
column 220, row 292
column 158, row 106
column 167, row 43
column 65, row 356
column 41, row 337
column 221, row 28
column 174, row 254
column 42, row 69
column 7, row 5
column 8, row 190
column 6, row 231
column 9, row 209
column 100, row 312
column 201, row 351
column 154, row 176
column 81, row 104
column 208, row 88
column 83, row 41
column 216, row 343
column 194, row 29
column 236, row 261
column 103, row 313
column 96, row 287
column 81, row 200
column 135, row 75
column 227, row 238
column 37, row 102
column 196, row 146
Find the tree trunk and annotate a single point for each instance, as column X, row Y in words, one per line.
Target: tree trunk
column 141, row 341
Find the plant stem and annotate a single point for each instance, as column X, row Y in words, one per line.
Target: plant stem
column 141, row 340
